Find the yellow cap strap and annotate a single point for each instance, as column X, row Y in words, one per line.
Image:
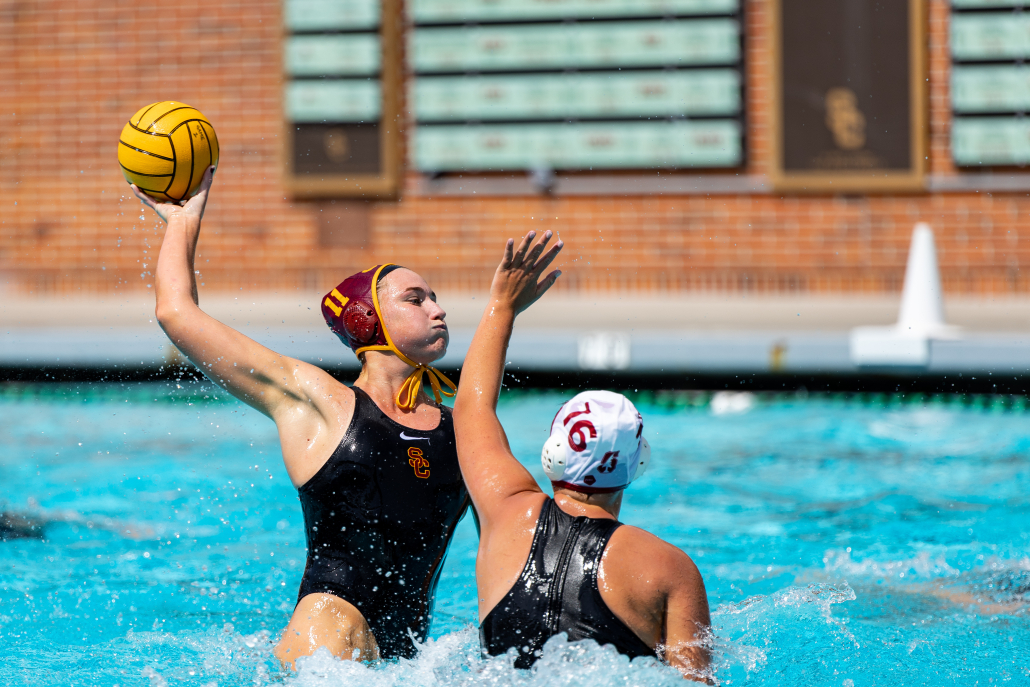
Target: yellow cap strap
column 407, row 396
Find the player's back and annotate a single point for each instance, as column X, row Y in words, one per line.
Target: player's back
column 592, row 578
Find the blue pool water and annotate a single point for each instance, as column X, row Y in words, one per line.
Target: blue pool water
column 840, row 544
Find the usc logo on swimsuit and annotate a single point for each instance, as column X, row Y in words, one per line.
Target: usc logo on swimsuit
column 420, row 464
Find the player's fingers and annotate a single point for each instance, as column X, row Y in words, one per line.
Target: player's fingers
column 205, row 186
column 520, row 254
column 547, row 283
column 205, row 183
column 509, row 248
column 198, row 201
column 143, row 197
column 535, row 251
column 544, row 262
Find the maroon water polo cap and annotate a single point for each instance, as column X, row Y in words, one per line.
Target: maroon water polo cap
column 352, row 310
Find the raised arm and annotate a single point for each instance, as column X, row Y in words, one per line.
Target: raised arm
column 491, row 472
column 256, row 375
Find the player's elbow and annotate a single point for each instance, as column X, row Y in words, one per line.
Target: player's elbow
column 166, row 313
column 172, row 314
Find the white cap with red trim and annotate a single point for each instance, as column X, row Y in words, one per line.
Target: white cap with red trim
column 597, row 444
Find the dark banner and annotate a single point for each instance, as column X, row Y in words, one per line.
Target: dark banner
column 849, row 95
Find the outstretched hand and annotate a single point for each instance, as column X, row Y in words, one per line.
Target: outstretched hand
column 517, row 283
column 192, row 207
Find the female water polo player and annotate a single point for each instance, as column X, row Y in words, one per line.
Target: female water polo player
column 566, row 564
column 375, row 465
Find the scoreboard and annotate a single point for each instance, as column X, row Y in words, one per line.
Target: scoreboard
column 502, row 85
column 575, row 84
column 990, row 83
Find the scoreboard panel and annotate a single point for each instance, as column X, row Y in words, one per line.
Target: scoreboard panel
column 994, row 88
column 990, row 84
column 581, row 145
column 576, row 46
column 331, row 15
column 503, row 85
column 651, row 93
column 463, row 11
column 342, row 80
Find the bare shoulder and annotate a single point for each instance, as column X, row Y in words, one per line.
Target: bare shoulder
column 314, row 419
column 667, row 566
column 648, row 583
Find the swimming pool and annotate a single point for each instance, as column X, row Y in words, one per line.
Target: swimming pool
column 842, row 543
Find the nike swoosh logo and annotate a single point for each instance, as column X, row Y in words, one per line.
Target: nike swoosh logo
column 405, row 436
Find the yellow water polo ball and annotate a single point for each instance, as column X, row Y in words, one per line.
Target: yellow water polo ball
column 165, row 149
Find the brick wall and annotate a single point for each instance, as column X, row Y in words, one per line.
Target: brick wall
column 72, row 72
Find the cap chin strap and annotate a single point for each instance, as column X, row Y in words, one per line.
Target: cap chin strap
column 407, row 396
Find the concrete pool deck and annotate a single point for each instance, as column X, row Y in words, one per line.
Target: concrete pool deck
column 646, row 333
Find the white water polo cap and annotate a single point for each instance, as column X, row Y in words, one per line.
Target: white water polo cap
column 597, row 444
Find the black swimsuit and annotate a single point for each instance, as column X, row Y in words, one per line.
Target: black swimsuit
column 557, row 592
column 379, row 516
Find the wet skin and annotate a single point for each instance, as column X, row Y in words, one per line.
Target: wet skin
column 310, row 408
column 651, row 586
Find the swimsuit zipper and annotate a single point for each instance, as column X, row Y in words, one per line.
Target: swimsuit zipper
column 557, row 589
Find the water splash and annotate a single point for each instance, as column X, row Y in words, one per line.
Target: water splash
column 759, row 629
column 222, row 654
column 923, row 565
column 454, row 660
column 745, row 637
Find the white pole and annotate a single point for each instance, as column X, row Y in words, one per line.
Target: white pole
column 922, row 302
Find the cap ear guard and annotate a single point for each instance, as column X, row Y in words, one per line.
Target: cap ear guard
column 360, row 322
column 553, row 457
column 643, row 459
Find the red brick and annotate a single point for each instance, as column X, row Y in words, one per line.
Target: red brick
column 74, row 71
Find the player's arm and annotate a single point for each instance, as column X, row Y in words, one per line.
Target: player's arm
column 687, row 623
column 491, row 472
column 256, row 375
